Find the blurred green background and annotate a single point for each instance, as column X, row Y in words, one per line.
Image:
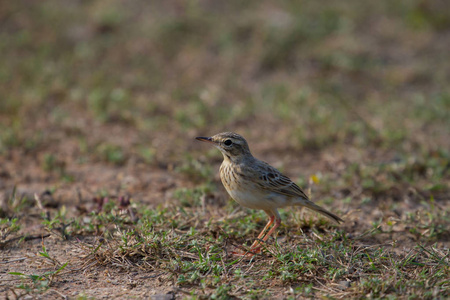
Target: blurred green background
column 134, row 81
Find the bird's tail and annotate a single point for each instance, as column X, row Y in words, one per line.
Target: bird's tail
column 323, row 211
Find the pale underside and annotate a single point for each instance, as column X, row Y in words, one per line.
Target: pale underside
column 258, row 185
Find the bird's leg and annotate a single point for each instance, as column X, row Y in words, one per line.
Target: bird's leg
column 256, row 246
column 261, row 235
column 277, row 224
column 257, row 249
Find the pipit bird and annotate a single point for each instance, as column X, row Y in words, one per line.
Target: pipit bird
column 255, row 184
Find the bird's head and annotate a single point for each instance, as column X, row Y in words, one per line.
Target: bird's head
column 232, row 145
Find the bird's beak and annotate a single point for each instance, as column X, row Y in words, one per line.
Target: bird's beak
column 205, row 139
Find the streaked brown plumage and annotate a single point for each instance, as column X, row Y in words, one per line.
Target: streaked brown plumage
column 255, row 184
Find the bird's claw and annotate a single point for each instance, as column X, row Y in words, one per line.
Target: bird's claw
column 248, row 254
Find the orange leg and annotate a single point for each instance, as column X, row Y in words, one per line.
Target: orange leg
column 255, row 247
column 272, row 230
column 261, row 235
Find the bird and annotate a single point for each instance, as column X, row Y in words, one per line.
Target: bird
column 257, row 185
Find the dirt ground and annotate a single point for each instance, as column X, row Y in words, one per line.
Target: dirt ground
column 154, row 186
column 106, row 194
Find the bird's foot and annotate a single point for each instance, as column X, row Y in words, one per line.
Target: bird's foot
column 248, row 254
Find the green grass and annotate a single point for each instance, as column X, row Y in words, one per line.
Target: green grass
column 35, row 284
column 191, row 248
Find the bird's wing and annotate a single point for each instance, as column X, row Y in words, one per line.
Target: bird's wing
column 271, row 179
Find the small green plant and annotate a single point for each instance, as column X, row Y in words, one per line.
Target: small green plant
column 39, row 283
column 191, row 197
column 8, row 226
column 57, row 223
column 52, row 164
column 111, row 153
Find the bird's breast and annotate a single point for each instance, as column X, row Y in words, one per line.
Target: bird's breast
column 230, row 177
column 244, row 191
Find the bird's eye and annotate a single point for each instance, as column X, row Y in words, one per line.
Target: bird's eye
column 228, row 143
